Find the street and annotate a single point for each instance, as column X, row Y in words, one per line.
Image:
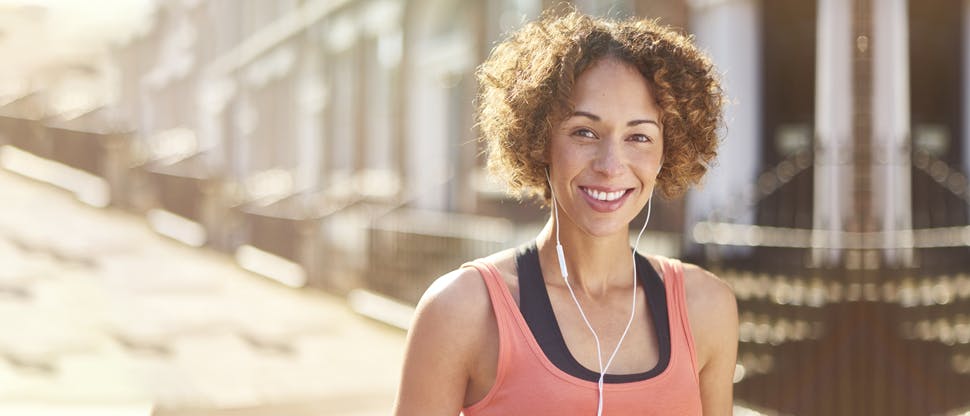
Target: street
column 101, row 316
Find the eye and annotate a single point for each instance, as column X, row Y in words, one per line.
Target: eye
column 587, row 133
column 641, row 138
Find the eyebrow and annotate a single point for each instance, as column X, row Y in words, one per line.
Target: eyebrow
column 630, row 123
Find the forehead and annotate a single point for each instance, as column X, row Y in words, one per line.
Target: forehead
column 616, row 88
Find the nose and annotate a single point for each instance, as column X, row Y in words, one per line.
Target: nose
column 609, row 159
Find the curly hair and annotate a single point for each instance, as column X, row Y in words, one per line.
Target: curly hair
column 527, row 80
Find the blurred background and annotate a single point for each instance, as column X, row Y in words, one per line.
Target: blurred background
column 230, row 207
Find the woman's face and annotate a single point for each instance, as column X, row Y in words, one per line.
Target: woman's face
column 605, row 156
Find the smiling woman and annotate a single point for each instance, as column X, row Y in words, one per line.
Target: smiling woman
column 591, row 116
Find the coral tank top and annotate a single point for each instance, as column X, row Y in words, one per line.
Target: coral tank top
column 527, row 383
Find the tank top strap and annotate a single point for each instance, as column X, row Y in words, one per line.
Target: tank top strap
column 673, row 276
column 497, row 290
column 503, row 304
column 505, row 308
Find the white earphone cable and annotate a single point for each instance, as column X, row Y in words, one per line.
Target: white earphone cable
column 633, row 306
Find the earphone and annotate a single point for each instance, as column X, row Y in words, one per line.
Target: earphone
column 565, row 275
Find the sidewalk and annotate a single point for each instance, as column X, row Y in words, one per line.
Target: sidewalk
column 100, row 316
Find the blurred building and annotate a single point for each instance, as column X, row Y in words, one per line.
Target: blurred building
column 331, row 143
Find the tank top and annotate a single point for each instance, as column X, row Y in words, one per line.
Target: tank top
column 536, row 308
column 528, row 383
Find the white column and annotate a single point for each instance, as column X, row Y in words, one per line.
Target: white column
column 244, row 122
column 730, row 32
column 890, row 126
column 436, row 62
column 311, row 95
column 833, row 127
column 427, row 141
column 213, row 96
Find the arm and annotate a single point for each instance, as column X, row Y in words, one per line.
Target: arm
column 441, row 344
column 714, row 323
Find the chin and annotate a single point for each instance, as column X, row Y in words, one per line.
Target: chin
column 607, row 228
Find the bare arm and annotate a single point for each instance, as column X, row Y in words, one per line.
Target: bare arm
column 714, row 324
column 441, row 343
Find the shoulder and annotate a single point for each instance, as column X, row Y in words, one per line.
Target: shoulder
column 457, row 306
column 701, row 286
column 459, row 293
column 450, row 323
column 712, row 310
column 448, row 334
column 465, row 286
column 708, row 290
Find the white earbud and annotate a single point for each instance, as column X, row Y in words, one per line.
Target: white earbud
column 555, row 210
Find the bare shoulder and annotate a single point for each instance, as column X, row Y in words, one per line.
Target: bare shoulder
column 457, row 304
column 709, row 292
column 458, row 296
column 713, row 314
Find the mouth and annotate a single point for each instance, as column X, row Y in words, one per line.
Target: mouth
column 605, row 200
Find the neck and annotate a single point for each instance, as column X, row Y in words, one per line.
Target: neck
column 596, row 265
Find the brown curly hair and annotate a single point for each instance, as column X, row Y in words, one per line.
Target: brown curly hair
column 526, row 82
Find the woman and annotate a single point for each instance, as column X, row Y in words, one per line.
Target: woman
column 590, row 116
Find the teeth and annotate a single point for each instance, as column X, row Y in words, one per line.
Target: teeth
column 604, row 196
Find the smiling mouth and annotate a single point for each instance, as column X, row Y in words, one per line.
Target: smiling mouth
column 603, row 195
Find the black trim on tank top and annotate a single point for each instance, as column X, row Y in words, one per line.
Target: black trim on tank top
column 537, row 310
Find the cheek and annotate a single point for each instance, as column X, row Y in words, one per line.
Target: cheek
column 563, row 155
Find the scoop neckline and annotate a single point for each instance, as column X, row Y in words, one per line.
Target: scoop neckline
column 523, row 327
